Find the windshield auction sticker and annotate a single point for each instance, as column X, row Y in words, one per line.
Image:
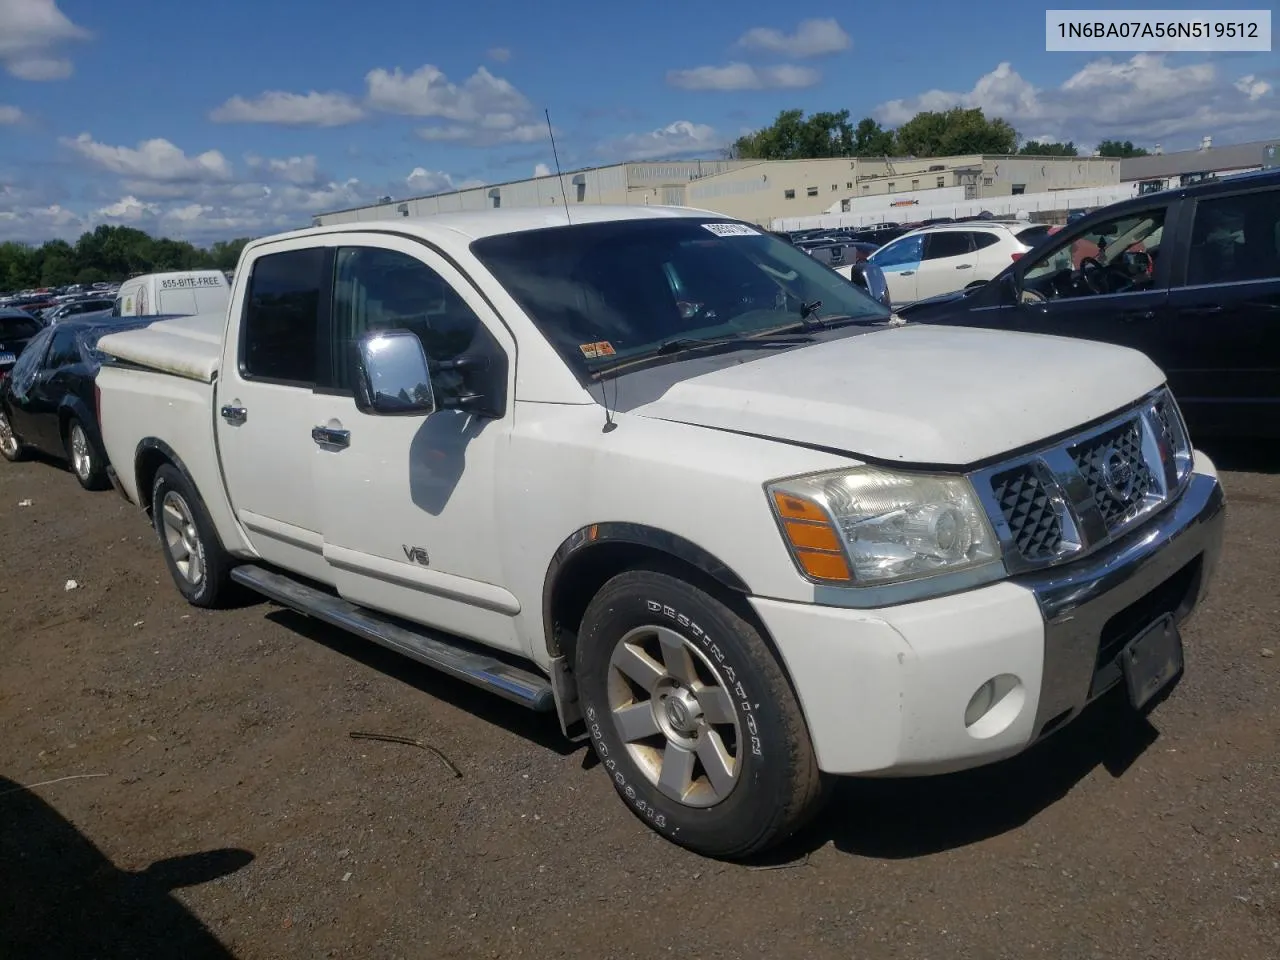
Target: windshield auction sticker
column 1157, row 31
column 731, row 229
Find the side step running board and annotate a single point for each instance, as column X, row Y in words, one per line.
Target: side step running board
column 449, row 656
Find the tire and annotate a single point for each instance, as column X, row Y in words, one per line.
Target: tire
column 87, row 463
column 771, row 785
column 11, row 447
column 200, row 567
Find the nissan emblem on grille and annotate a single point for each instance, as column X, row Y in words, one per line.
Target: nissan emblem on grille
column 1118, row 474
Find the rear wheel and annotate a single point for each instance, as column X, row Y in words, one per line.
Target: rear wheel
column 200, row 567
column 692, row 717
column 89, row 466
column 10, row 447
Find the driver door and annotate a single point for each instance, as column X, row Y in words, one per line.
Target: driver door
column 1092, row 290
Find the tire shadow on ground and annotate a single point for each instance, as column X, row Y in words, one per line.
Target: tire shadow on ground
column 63, row 898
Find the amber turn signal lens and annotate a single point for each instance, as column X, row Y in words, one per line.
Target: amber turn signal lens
column 823, row 566
column 814, row 541
column 812, row 536
column 794, row 508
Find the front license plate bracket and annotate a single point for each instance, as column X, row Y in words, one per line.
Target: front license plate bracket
column 1152, row 660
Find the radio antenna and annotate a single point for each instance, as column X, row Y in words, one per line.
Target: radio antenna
column 559, row 176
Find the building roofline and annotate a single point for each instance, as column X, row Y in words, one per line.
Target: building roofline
column 548, row 176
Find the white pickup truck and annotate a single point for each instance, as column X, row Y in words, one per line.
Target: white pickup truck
column 665, row 475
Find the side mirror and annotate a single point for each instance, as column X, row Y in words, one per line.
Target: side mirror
column 870, row 278
column 392, row 376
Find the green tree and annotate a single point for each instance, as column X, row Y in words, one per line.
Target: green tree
column 90, row 275
column 871, row 140
column 955, row 131
column 792, row 136
column 1039, row 148
column 1116, row 148
column 57, row 266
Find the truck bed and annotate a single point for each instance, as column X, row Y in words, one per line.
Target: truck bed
column 189, row 347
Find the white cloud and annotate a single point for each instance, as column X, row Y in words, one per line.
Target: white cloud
column 129, row 209
column 424, row 181
column 31, row 31
column 681, row 138
column 311, row 109
column 1143, row 99
column 152, row 160
column 300, row 170
column 1253, row 87
column 500, row 54
column 427, row 92
column 483, row 111
column 542, row 170
column 743, row 76
column 10, row 115
column 813, row 38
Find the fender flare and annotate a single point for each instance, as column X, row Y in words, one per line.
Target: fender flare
column 154, row 445
column 578, row 544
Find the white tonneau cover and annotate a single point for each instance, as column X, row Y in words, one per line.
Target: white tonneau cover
column 185, row 346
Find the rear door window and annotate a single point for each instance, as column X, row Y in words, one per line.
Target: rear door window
column 281, row 319
column 1235, row 239
column 946, row 243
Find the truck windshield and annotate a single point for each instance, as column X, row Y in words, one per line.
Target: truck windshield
column 604, row 293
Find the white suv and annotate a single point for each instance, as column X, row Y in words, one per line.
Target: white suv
column 946, row 257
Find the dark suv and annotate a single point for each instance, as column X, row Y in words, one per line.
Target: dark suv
column 1190, row 276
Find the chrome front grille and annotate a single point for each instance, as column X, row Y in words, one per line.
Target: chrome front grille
column 1118, row 476
column 1027, row 505
column 1065, row 500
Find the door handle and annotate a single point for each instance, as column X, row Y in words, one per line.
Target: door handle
column 1208, row 310
column 329, row 437
column 234, row 415
column 964, row 266
column 907, row 273
column 1132, row 315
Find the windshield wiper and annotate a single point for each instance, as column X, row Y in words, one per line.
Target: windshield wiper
column 688, row 344
column 679, row 344
column 836, row 320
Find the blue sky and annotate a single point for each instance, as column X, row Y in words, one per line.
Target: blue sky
column 206, row 121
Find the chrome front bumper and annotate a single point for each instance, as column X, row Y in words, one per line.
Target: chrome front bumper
column 1092, row 608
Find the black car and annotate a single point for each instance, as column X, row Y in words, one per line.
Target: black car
column 48, row 403
column 1189, row 276
column 17, row 327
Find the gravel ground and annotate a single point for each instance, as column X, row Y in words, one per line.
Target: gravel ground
column 223, row 810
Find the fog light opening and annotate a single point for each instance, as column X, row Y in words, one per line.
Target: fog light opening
column 994, row 706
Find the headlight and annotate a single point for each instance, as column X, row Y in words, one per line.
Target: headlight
column 871, row 525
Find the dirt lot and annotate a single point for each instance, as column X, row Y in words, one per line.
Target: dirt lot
column 222, row 809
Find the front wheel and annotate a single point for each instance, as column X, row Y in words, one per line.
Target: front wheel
column 89, row 466
column 200, row 567
column 692, row 717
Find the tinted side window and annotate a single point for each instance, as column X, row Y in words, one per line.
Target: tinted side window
column 63, row 351
column 900, row 252
column 378, row 289
column 981, row 240
column 1235, row 238
column 24, row 371
column 946, row 243
column 278, row 339
column 18, row 328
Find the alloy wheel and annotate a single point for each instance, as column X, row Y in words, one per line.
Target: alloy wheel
column 673, row 710
column 181, row 537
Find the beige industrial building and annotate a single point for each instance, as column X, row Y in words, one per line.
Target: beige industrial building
column 759, row 191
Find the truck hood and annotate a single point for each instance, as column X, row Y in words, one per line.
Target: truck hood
column 949, row 396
